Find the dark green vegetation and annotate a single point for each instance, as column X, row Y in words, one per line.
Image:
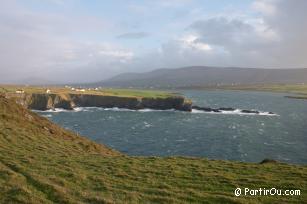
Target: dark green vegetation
column 43, row 163
column 206, row 76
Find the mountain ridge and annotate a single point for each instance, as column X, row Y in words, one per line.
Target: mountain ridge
column 205, row 76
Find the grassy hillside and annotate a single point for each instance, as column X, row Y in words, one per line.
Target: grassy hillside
column 43, row 163
column 299, row 89
column 101, row 91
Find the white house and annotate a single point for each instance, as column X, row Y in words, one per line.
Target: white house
column 48, row 91
column 19, row 91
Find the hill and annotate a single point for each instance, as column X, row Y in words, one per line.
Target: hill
column 41, row 162
column 206, row 76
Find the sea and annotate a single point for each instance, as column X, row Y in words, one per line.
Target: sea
column 229, row 135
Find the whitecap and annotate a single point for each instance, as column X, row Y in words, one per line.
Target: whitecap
column 155, row 110
column 235, row 112
column 182, row 140
column 85, row 109
column 147, row 125
column 56, row 110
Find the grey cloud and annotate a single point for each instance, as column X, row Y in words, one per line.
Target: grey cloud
column 133, row 35
column 266, row 40
column 273, row 39
column 221, row 31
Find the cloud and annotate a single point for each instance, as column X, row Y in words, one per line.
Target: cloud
column 275, row 37
column 222, row 31
column 133, row 35
column 190, row 41
column 80, row 47
column 266, row 7
column 45, row 45
column 267, row 40
column 172, row 3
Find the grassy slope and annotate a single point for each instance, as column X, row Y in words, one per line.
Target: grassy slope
column 43, row 163
column 104, row 92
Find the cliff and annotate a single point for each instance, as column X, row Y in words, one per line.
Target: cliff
column 44, row 101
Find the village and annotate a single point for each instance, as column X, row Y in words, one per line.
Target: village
column 68, row 88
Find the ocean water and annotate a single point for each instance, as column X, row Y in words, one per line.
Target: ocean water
column 228, row 135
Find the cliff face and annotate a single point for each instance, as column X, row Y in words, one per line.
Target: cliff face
column 177, row 103
column 69, row 101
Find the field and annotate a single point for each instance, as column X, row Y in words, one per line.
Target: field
column 43, row 163
column 300, row 90
column 91, row 91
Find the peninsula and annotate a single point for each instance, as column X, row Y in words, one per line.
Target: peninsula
column 40, row 98
column 297, row 91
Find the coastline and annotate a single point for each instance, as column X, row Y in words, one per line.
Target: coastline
column 36, row 99
column 94, row 173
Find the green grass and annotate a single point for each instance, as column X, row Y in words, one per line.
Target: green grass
column 285, row 88
column 43, row 163
column 298, row 89
column 104, row 91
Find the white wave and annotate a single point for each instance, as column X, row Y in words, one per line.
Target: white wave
column 132, row 110
column 117, row 109
column 235, row 112
column 147, row 125
column 155, row 110
column 78, row 109
column 85, row 109
column 56, row 110
column 181, row 140
column 198, row 111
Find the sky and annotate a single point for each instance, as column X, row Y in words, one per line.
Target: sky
column 92, row 40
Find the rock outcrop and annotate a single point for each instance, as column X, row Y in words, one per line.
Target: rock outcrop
column 223, row 109
column 44, row 101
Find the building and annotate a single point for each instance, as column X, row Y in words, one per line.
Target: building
column 19, row 91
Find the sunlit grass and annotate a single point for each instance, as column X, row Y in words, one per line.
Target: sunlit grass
column 100, row 91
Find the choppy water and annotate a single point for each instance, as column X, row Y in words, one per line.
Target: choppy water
column 230, row 136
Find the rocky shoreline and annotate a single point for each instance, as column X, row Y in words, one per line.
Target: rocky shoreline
column 69, row 101
column 42, row 101
column 223, row 109
column 297, row 97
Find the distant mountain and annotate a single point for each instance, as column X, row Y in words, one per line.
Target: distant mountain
column 35, row 81
column 205, row 76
